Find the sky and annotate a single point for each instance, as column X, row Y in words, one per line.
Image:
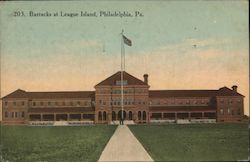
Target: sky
column 180, row 44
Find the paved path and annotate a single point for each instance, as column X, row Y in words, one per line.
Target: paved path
column 123, row 146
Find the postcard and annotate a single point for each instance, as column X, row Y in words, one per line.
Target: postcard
column 124, row 81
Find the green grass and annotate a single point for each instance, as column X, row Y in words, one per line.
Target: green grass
column 29, row 144
column 197, row 142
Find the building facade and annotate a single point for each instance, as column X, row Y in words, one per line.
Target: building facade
column 141, row 105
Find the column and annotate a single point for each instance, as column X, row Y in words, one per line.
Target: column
column 68, row 117
column 109, row 116
column 148, row 117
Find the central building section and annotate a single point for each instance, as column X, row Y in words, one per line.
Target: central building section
column 108, row 97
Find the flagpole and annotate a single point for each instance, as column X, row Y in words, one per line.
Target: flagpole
column 122, row 68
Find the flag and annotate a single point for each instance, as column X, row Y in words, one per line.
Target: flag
column 127, row 41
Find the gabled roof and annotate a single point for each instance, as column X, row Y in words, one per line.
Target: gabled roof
column 17, row 94
column 51, row 95
column 224, row 91
column 131, row 80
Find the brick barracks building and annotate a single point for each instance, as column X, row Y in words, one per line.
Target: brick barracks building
column 141, row 105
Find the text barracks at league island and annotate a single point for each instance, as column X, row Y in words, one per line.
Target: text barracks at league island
column 141, row 105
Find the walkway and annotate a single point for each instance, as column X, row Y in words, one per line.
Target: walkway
column 123, row 146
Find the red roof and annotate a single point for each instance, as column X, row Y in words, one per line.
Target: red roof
column 51, row 95
column 224, row 91
column 131, row 80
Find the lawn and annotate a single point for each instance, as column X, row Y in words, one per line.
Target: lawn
column 196, row 142
column 29, row 143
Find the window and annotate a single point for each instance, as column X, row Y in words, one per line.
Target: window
column 78, row 103
column 12, row 114
column 221, row 111
column 6, row 114
column 56, row 103
column 118, row 82
column 16, row 114
column 41, row 103
column 34, row 103
column 85, row 103
column 104, row 103
column 23, row 103
column 5, row 103
column 187, row 102
column 14, row 103
column 63, row 103
column 221, row 101
column 228, row 111
column 49, row 103
column 22, row 114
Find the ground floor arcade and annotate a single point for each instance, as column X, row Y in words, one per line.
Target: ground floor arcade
column 128, row 115
column 176, row 115
column 61, row 116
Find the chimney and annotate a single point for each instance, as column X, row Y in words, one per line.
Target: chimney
column 234, row 87
column 145, row 76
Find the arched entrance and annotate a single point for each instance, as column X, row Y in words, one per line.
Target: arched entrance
column 139, row 115
column 104, row 115
column 120, row 115
column 144, row 115
column 130, row 115
column 113, row 115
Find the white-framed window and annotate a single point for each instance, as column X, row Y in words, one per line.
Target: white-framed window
column 124, row 82
column 222, row 111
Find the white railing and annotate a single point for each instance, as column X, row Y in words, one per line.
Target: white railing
column 41, row 123
column 203, row 120
column 162, row 121
column 84, row 122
